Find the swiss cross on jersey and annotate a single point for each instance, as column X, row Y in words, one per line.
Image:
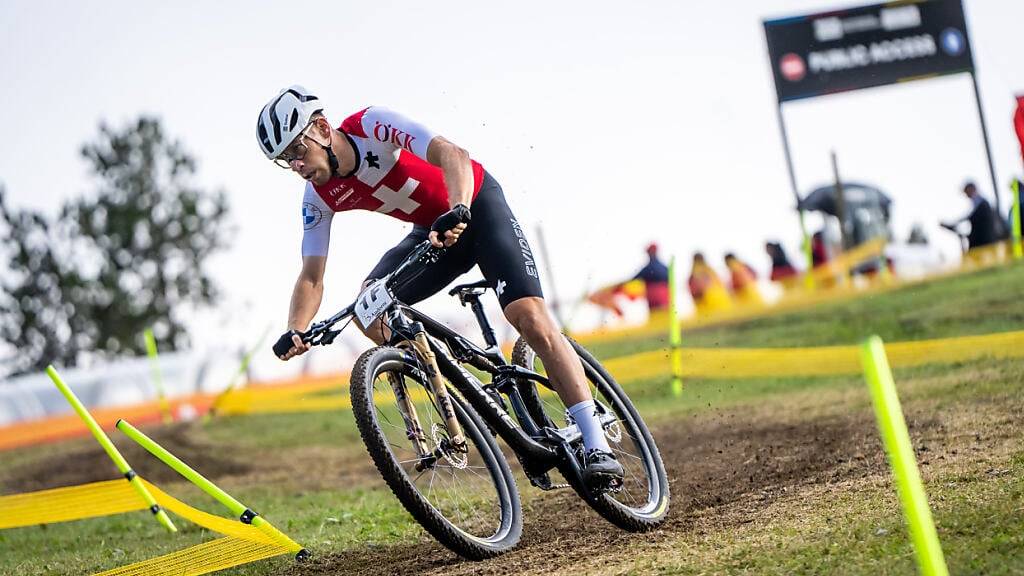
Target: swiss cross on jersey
column 392, row 176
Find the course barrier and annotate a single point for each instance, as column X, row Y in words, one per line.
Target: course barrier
column 247, row 539
column 110, row 449
column 716, row 363
column 676, row 363
column 241, row 543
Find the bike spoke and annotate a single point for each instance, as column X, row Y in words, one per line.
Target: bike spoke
column 458, row 485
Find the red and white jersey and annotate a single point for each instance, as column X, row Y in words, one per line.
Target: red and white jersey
column 392, row 176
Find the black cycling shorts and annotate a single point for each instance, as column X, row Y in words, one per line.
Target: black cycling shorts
column 493, row 240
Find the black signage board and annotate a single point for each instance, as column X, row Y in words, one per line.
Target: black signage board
column 856, row 48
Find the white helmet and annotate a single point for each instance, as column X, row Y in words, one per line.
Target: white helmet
column 284, row 117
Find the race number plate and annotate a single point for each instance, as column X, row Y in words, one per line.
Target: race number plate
column 372, row 303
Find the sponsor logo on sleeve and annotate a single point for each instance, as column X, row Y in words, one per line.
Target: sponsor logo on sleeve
column 311, row 216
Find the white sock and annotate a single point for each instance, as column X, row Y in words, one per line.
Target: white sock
column 585, row 415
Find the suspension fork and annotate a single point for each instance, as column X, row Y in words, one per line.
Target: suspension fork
column 413, row 428
column 444, row 402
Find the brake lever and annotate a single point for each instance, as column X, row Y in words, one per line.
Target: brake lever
column 319, row 334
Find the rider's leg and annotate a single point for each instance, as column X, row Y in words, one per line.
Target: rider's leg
column 529, row 316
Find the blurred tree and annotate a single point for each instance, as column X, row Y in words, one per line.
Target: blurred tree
column 129, row 256
column 34, row 317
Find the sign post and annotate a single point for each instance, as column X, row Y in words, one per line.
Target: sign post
column 867, row 46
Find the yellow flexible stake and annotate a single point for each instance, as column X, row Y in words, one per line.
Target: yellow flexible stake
column 110, row 449
column 233, row 384
column 675, row 336
column 239, row 510
column 158, row 379
column 893, row 428
column 1018, row 250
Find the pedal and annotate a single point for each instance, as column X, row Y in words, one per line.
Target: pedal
column 544, row 482
column 612, row 487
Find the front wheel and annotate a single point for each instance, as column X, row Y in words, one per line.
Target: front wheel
column 642, row 503
column 466, row 499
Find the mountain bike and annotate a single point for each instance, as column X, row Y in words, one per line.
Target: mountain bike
column 429, row 405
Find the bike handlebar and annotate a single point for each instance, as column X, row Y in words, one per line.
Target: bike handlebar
column 321, row 333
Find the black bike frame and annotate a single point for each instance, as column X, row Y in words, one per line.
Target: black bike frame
column 525, row 437
column 539, row 449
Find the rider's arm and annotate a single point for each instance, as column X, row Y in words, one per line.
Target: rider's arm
column 316, row 240
column 402, row 132
column 458, row 171
column 308, row 292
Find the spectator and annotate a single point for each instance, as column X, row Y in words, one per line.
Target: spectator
column 819, row 250
column 709, row 295
column 782, row 269
column 742, row 281
column 655, row 278
column 981, row 217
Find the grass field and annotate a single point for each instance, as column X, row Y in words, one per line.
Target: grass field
column 769, row 476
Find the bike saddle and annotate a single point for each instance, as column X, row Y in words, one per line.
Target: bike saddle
column 473, row 288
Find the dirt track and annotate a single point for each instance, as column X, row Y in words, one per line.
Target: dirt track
column 724, row 468
column 712, row 462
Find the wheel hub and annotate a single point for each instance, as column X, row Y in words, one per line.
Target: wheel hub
column 444, row 447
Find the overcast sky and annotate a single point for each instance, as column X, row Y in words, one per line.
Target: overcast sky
column 610, row 124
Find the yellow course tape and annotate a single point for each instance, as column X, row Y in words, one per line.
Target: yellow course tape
column 243, row 542
column 200, row 559
column 704, row 363
column 253, row 403
column 70, row 503
column 818, row 361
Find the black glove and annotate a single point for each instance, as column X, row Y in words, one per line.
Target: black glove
column 450, row 219
column 284, row 343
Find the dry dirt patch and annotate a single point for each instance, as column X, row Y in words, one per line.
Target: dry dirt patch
column 713, row 461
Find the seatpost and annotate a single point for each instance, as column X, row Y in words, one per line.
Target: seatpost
column 481, row 318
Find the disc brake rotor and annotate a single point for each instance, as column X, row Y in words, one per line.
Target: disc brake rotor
column 613, row 432
column 444, row 446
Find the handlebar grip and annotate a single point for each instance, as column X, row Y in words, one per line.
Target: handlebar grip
column 284, row 343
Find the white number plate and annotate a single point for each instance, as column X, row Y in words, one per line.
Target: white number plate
column 372, row 303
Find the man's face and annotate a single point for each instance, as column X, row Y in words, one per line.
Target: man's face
column 970, row 190
column 306, row 156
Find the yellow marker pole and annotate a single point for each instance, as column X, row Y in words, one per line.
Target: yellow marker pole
column 246, row 358
column 893, row 429
column 1018, row 250
column 245, row 514
column 674, row 332
column 110, row 449
column 157, row 376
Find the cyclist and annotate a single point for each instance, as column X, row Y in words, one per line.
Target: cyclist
column 380, row 160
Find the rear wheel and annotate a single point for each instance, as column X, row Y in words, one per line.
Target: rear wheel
column 466, row 500
column 643, row 501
